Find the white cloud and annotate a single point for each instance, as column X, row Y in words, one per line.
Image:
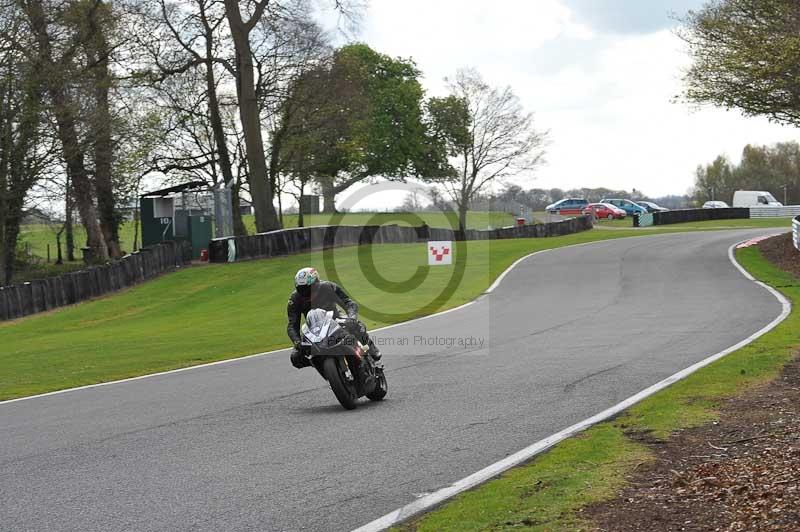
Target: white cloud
column 444, row 35
column 605, row 97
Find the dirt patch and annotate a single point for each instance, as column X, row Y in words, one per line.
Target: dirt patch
column 740, row 473
column 781, row 252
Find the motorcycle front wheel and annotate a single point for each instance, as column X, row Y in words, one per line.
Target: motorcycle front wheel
column 380, row 388
column 344, row 391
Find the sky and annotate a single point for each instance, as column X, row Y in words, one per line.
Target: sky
column 600, row 75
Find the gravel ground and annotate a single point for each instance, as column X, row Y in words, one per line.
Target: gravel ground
column 740, row 473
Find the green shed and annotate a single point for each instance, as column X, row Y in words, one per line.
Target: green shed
column 181, row 213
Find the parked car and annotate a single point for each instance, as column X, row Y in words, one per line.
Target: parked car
column 651, row 207
column 604, row 210
column 568, row 206
column 754, row 198
column 715, row 205
column 626, row 205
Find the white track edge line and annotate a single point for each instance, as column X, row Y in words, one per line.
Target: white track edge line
column 265, row 353
column 431, row 500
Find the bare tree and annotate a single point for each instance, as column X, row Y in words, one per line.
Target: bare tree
column 191, row 42
column 488, row 135
column 287, row 45
column 412, row 201
column 186, row 41
column 259, row 23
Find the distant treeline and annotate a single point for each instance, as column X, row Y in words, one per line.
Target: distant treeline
column 512, row 197
column 775, row 169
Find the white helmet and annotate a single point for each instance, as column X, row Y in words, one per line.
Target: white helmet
column 306, row 277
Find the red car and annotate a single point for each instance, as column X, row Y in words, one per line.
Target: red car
column 604, row 210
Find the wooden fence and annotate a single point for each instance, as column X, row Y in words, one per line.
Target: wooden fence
column 25, row 299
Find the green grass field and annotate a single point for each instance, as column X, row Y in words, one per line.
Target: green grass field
column 38, row 236
column 548, row 493
column 214, row 312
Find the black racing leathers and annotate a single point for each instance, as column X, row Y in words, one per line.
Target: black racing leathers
column 326, row 296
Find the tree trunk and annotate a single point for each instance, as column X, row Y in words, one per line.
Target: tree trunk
column 330, row 189
column 11, row 233
column 462, row 219
column 239, row 229
column 82, row 187
column 274, row 170
column 5, row 149
column 463, row 202
column 280, row 210
column 136, row 217
column 328, row 197
column 300, row 220
column 98, row 53
column 261, row 193
column 59, row 255
column 70, row 235
column 220, row 140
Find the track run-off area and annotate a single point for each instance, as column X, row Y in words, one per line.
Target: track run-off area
column 253, row 444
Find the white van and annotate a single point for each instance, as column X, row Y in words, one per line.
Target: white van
column 754, row 198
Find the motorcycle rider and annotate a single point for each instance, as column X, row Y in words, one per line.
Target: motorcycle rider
column 310, row 293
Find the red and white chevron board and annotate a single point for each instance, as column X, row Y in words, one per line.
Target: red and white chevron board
column 440, row 252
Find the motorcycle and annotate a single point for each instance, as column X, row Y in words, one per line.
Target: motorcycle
column 341, row 359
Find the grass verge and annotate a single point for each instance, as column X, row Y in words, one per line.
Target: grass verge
column 549, row 492
column 37, row 236
column 216, row 312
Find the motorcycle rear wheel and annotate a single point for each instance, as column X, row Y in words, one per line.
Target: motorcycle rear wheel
column 344, row 391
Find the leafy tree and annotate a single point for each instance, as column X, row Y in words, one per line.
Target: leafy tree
column 714, row 181
column 773, row 168
column 53, row 42
column 93, row 23
column 746, row 55
column 360, row 116
column 23, row 156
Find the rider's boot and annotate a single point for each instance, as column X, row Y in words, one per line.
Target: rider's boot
column 374, row 352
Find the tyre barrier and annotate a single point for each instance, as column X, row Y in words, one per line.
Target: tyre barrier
column 304, row 239
column 17, row 301
column 796, row 232
column 695, row 215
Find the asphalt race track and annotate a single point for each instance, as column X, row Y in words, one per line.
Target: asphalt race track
column 257, row 445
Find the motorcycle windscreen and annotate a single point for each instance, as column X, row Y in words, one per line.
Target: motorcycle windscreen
column 319, row 325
